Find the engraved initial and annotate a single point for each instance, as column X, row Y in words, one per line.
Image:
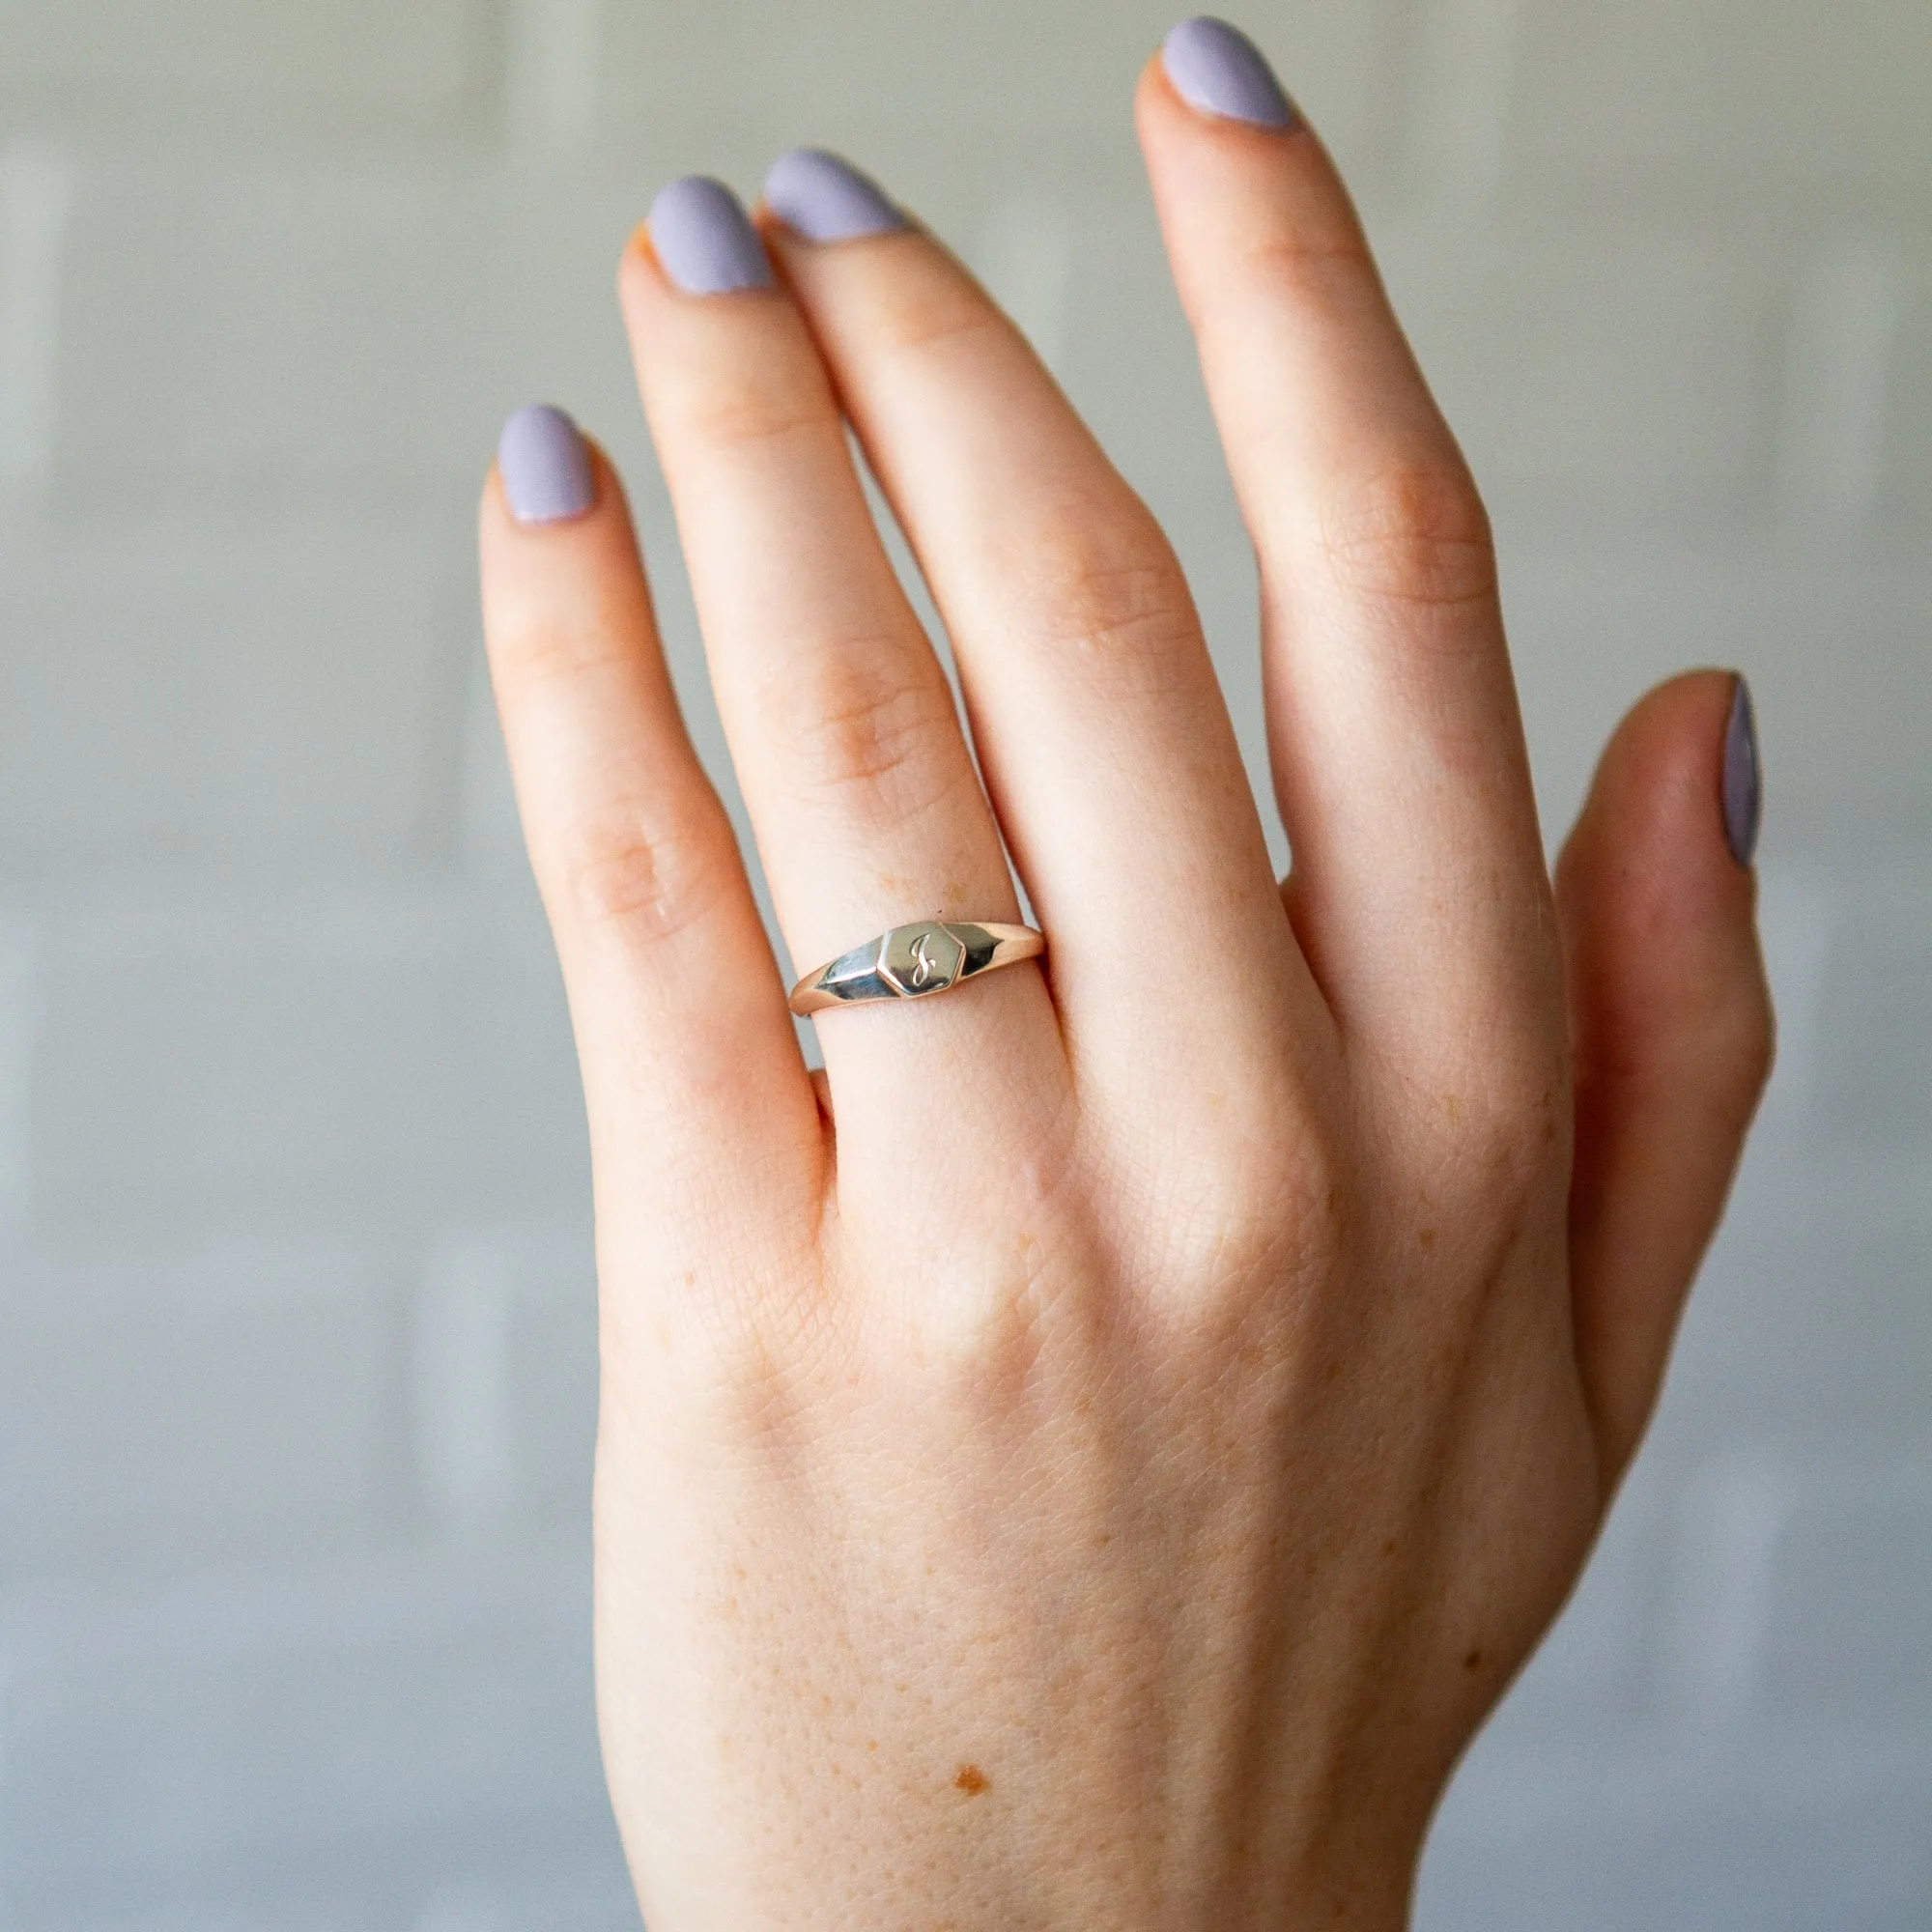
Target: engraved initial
column 922, row 958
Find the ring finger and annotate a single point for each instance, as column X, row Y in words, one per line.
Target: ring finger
column 1104, row 737
column 864, row 798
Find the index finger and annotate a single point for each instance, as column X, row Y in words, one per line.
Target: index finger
column 1420, row 891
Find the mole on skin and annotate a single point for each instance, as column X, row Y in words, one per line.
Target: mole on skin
column 971, row 1780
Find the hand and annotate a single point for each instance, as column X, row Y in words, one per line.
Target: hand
column 1095, row 1462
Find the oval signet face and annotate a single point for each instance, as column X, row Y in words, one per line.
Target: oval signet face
column 920, row 960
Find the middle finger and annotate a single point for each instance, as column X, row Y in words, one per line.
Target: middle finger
column 1100, row 726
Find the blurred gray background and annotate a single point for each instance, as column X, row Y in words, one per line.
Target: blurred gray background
column 295, row 1370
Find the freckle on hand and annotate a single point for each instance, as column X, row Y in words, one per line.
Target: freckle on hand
column 971, row 1780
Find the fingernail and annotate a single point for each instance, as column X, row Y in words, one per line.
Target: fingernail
column 824, row 199
column 1744, row 789
column 1217, row 68
column 705, row 240
column 545, row 467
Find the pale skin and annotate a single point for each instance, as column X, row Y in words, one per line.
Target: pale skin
column 1096, row 1458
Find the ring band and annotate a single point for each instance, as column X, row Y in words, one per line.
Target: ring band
column 913, row 962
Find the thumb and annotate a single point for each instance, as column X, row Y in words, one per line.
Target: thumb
column 1670, row 1026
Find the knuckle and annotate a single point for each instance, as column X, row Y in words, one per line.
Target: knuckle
column 1233, row 1251
column 533, row 647
column 872, row 726
column 744, row 407
column 1246, row 1207
column 646, row 873
column 1319, row 259
column 979, row 1339
column 1301, row 1190
column 1413, row 533
column 1011, row 1289
column 1112, row 602
column 1507, row 1136
column 1735, row 1038
column 1721, row 1047
column 1487, row 1127
column 1757, row 1050
column 936, row 314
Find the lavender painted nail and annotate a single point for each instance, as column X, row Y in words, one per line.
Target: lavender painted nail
column 1744, row 789
column 1217, row 68
column 705, row 240
column 545, row 467
column 824, row 199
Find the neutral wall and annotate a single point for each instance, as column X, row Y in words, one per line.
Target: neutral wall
column 296, row 1372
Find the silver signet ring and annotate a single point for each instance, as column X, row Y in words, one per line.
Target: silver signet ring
column 912, row 962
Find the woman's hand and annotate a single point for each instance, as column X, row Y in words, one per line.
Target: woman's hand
column 1095, row 1462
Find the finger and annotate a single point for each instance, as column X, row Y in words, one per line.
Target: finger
column 1671, row 1021
column 840, row 722
column 692, row 1071
column 1420, row 890
column 1100, row 728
